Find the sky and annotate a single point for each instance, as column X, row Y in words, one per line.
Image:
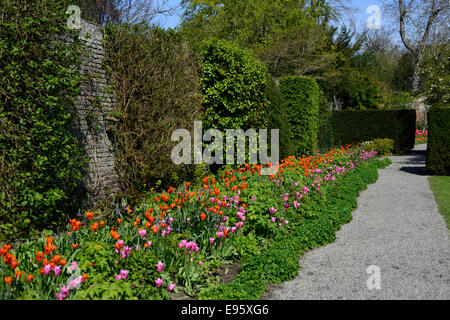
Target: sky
column 360, row 14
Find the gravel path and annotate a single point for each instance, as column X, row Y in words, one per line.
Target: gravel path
column 397, row 227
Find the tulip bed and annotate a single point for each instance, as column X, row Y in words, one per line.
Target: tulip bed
column 176, row 240
column 421, row 136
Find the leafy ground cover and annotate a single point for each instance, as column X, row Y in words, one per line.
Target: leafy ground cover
column 177, row 240
column 441, row 189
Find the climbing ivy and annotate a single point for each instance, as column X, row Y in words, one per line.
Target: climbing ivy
column 41, row 161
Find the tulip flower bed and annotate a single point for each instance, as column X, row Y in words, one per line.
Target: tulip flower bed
column 421, row 136
column 176, row 240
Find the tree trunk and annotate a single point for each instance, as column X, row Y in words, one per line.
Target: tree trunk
column 416, row 78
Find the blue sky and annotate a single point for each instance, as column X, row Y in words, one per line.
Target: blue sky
column 360, row 14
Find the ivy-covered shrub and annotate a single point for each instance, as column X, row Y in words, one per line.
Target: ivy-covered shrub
column 233, row 87
column 438, row 152
column 366, row 125
column 41, row 160
column 155, row 76
column 302, row 104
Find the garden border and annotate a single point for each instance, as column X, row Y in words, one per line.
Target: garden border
column 279, row 263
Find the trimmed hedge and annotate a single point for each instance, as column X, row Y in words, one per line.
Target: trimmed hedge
column 438, row 150
column 302, row 105
column 366, row 125
column 279, row 263
column 278, row 119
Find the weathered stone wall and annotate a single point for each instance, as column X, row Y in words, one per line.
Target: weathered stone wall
column 93, row 106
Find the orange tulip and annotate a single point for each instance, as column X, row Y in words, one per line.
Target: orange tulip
column 94, row 227
column 14, row 263
column 74, row 246
column 39, row 256
column 102, row 223
column 203, row 216
column 8, row 280
column 89, row 215
column 18, row 274
column 56, row 258
column 30, row 278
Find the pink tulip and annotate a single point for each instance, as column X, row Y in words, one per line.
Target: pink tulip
column 142, row 233
column 158, row 282
column 159, row 266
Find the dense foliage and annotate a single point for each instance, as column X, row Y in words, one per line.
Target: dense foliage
column 278, row 118
column 361, row 126
column 155, row 77
column 233, row 87
column 302, row 104
column 41, row 160
column 438, row 152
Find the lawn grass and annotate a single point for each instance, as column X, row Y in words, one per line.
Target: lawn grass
column 441, row 189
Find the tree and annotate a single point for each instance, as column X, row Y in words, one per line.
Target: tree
column 417, row 20
column 123, row 11
column 289, row 36
column 436, row 76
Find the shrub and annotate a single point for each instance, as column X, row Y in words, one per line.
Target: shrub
column 438, row 152
column 324, row 134
column 384, row 147
column 367, row 125
column 302, row 104
column 156, row 81
column 278, row 119
column 233, row 87
column 41, row 160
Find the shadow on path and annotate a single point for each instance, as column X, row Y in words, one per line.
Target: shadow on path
column 416, row 161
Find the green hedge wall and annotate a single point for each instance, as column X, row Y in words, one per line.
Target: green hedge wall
column 278, row 119
column 438, row 152
column 367, row 125
column 302, row 104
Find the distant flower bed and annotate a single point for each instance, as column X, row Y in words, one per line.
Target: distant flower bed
column 174, row 240
column 421, row 136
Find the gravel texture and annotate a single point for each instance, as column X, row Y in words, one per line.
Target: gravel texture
column 396, row 227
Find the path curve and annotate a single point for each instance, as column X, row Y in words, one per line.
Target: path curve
column 397, row 227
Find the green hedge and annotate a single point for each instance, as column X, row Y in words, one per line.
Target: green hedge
column 41, row 160
column 279, row 263
column 438, row 152
column 366, row 125
column 302, row 104
column 278, row 119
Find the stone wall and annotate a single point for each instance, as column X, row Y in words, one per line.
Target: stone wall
column 93, row 106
